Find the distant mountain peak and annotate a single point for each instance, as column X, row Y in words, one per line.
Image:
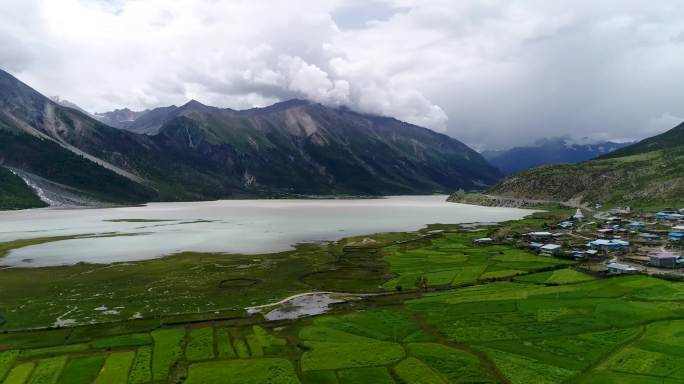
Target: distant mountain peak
column 193, row 103
column 552, row 150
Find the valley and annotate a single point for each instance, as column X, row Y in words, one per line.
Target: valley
column 428, row 306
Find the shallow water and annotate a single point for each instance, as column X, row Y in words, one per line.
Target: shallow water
column 230, row 226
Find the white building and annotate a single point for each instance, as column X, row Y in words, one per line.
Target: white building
column 621, row 269
column 551, row 249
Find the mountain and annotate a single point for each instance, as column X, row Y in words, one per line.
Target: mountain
column 119, row 118
column 15, row 193
column 196, row 152
column 68, row 104
column 303, row 147
column 548, row 151
column 650, row 172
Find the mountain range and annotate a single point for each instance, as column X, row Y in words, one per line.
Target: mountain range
column 198, row 152
column 548, row 151
column 647, row 173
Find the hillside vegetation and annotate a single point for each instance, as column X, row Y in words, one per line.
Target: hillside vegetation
column 650, row 172
column 15, row 194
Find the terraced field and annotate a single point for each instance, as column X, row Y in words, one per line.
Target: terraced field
column 452, row 313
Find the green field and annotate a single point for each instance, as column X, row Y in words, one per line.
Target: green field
column 201, row 344
column 167, row 351
column 116, row 367
column 452, row 312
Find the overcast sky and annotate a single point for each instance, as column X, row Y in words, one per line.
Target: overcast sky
column 492, row 73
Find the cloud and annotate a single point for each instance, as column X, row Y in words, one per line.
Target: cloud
column 312, row 82
column 492, row 73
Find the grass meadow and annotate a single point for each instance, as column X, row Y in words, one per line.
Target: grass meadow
column 453, row 313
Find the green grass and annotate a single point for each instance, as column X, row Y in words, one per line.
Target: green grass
column 116, row 368
column 523, row 370
column 6, row 360
column 333, row 349
column 375, row 375
column 255, row 348
column 132, row 340
column 20, row 373
column 241, row 348
column 141, row 369
column 319, row 377
column 201, row 344
column 412, row 370
column 167, row 351
column 559, row 276
column 555, row 326
column 186, row 283
column 453, row 259
column 47, row 371
column 82, row 369
column 254, row 371
column 224, row 345
column 61, row 349
column 384, row 325
column 455, row 365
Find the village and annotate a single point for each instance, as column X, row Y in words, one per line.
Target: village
column 614, row 242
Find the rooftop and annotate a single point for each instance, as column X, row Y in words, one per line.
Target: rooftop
column 621, row 267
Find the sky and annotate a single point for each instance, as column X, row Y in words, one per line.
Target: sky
column 491, row 73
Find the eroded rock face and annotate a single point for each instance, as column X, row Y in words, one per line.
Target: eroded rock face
column 196, row 152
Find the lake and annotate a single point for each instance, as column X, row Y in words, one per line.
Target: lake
column 229, row 226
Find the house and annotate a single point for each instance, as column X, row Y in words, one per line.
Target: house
column 608, row 244
column 483, row 240
column 678, row 228
column 566, row 224
column 621, row 269
column 605, row 231
column 649, row 236
column 579, row 255
column 663, row 259
column 619, row 210
column 669, row 215
column 534, row 245
column 636, row 224
column 551, row 249
column 579, row 216
column 540, row 235
column 591, row 252
column 676, row 235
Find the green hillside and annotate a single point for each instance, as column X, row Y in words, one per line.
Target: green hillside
column 15, row 194
column 47, row 159
column 648, row 173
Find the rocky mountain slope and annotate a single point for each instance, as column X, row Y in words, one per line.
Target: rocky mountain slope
column 200, row 152
column 549, row 151
column 15, row 193
column 648, row 172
